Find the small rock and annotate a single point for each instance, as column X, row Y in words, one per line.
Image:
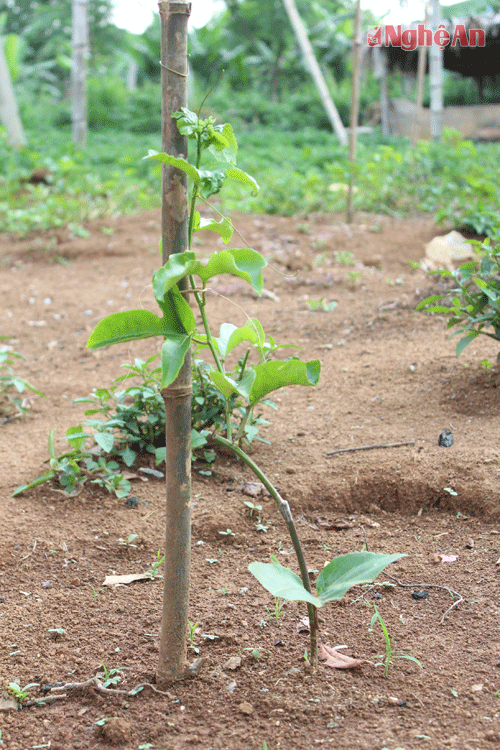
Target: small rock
column 245, row 708
column 420, row 595
column 392, row 701
column 231, row 687
column 46, row 584
column 132, row 501
column 445, row 440
column 233, row 663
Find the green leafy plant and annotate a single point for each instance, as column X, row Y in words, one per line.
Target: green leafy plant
column 72, row 469
column 321, row 305
column 258, row 372
column 153, row 570
column 475, row 304
column 129, row 541
column 9, row 379
column 110, row 676
column 390, row 655
column 20, row 693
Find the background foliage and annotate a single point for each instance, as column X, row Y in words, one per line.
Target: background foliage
column 249, row 54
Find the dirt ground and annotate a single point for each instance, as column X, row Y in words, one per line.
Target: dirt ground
column 389, row 375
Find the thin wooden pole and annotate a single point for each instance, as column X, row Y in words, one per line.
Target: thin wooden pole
column 79, row 54
column 354, row 107
column 312, row 63
column 172, row 660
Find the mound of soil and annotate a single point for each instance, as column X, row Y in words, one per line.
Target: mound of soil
column 390, row 383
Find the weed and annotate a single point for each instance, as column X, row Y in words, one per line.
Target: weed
column 321, row 305
column 153, row 570
column 253, row 508
column 9, row 379
column 390, row 655
column 344, row 258
column 192, row 628
column 277, row 608
column 129, row 541
column 20, row 693
column 111, row 676
column 475, row 305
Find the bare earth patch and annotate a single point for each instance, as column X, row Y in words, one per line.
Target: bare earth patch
column 388, row 376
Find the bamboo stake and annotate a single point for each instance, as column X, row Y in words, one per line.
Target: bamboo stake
column 172, row 660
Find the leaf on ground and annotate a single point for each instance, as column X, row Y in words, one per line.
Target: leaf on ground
column 333, row 659
column 437, row 559
column 303, row 625
column 125, row 579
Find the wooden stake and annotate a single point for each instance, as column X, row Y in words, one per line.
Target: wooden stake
column 172, row 660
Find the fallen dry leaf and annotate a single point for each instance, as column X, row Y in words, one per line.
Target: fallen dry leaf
column 123, row 580
column 333, row 659
column 444, row 558
column 303, row 625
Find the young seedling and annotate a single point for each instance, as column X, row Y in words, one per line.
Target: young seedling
column 129, row 541
column 254, row 509
column 227, row 533
column 20, row 693
column 111, row 676
column 390, row 655
column 153, row 571
column 277, row 608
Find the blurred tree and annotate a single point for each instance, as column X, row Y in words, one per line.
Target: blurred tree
column 255, row 43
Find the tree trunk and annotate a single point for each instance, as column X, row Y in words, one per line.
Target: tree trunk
column 172, row 661
column 436, row 75
column 9, row 114
column 356, row 59
column 79, row 55
column 312, row 63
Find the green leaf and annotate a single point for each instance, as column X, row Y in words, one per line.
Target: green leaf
column 199, row 438
column 245, row 333
column 120, row 327
column 74, row 436
column 177, row 267
column 465, row 341
column 223, row 228
column 430, row 300
column 350, row 570
column 240, row 176
column 106, row 440
column 40, row 480
column 176, row 162
column 173, row 353
column 178, row 318
column 282, row 582
column 274, row 374
column 52, row 450
column 226, row 385
column 230, row 149
column 244, row 262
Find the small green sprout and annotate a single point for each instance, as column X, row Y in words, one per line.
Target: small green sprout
column 129, row 541
column 389, row 656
